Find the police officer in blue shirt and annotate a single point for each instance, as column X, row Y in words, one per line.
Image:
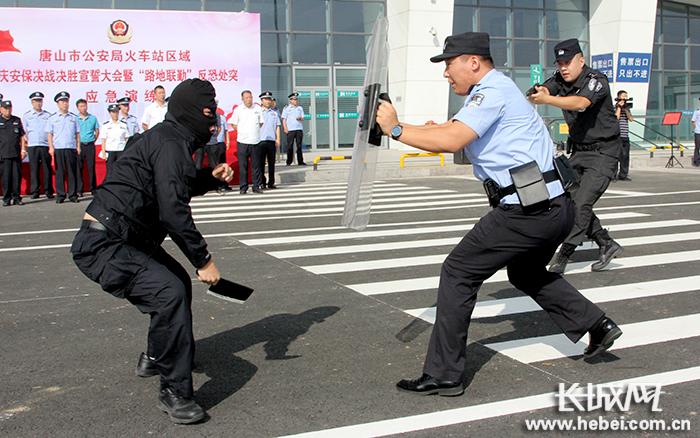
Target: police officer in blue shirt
column 64, row 143
column 292, row 122
column 131, row 121
column 511, row 151
column 269, row 139
column 35, row 121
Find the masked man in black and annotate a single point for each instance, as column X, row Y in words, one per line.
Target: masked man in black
column 144, row 199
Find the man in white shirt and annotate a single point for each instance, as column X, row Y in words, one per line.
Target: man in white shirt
column 113, row 136
column 695, row 124
column 247, row 119
column 155, row 112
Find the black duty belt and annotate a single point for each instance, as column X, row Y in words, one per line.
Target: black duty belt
column 549, row 176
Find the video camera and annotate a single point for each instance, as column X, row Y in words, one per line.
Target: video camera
column 628, row 103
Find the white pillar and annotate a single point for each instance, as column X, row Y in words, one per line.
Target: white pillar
column 417, row 30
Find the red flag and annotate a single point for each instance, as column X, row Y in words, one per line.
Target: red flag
column 6, row 41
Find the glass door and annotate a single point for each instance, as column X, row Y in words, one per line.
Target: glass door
column 347, row 116
column 317, row 117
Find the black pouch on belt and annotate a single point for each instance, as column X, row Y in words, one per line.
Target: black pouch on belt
column 566, row 173
column 530, row 186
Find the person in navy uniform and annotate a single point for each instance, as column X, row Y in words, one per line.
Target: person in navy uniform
column 583, row 95
column 499, row 131
column 34, row 122
column 131, row 121
column 64, row 142
column 292, row 118
column 269, row 139
column 13, row 149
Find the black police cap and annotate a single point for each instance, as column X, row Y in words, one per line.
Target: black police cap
column 265, row 95
column 37, row 95
column 293, row 95
column 0, row 96
column 63, row 95
column 567, row 49
column 124, row 101
column 113, row 108
column 6, row 104
column 467, row 43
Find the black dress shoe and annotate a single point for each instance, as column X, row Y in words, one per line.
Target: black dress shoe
column 624, row 178
column 244, row 191
column 74, row 199
column 35, row 196
column 60, row 200
column 302, row 164
column 181, row 410
column 271, row 186
column 146, row 367
column 51, row 196
column 602, row 337
column 608, row 251
column 18, row 202
column 257, row 190
column 6, row 203
column 559, row 265
column 428, row 385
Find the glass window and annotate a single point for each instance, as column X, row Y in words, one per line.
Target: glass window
column 654, row 97
column 655, row 57
column 695, row 57
column 455, row 104
column 674, row 57
column 181, row 5
column 694, row 90
column 564, row 25
column 465, row 2
column 354, row 77
column 503, row 3
column 675, row 91
column 657, row 29
column 527, row 23
column 526, row 53
column 674, row 30
column 309, row 77
column 694, row 31
column 670, row 9
column 494, row 21
column 309, row 15
column 90, row 4
column 463, row 19
column 312, row 49
column 224, row 5
column 521, row 78
column 576, row 5
column 278, row 80
column 273, row 48
column 135, row 4
column 528, row 4
column 273, row 13
column 349, row 49
column 499, row 53
column 353, row 16
column 41, row 3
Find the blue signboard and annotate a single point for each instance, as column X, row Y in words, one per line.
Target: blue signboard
column 604, row 64
column 633, row 67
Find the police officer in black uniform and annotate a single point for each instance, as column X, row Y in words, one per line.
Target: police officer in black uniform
column 144, row 198
column 13, row 149
column 583, row 94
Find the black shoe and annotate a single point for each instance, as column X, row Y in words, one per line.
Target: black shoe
column 302, row 164
column 6, row 203
column 146, row 367
column 80, row 195
column 60, row 200
column 559, row 264
column 221, row 191
column 428, row 385
column 181, row 410
column 74, row 199
column 244, row 191
column 257, row 190
column 35, row 196
column 51, row 196
column 608, row 251
column 625, row 178
column 288, row 164
column 228, row 189
column 18, row 202
column 271, row 186
column 602, row 337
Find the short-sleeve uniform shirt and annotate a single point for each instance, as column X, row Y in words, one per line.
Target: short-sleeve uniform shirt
column 269, row 128
column 696, row 119
column 114, row 135
column 11, row 132
column 247, row 121
column 290, row 114
column 35, row 125
column 64, row 128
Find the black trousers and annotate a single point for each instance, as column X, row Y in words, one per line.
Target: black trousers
column 267, row 153
column 216, row 154
column 11, row 178
column 112, row 157
column 292, row 138
column 624, row 158
column 696, row 154
column 40, row 160
column 595, row 170
column 87, row 157
column 66, row 168
column 157, row 285
column 249, row 154
column 524, row 244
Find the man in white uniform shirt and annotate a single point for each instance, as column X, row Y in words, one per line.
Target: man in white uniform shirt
column 113, row 136
column 155, row 112
column 247, row 119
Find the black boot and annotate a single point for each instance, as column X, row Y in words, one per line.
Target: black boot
column 601, row 337
column 609, row 249
column 146, row 367
column 562, row 258
column 181, row 410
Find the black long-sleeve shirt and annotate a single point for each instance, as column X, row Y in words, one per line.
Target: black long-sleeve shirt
column 146, row 195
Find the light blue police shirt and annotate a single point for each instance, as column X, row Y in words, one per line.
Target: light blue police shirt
column 64, row 128
column 132, row 123
column 88, row 125
column 290, row 114
column 221, row 136
column 268, row 132
column 510, row 133
column 34, row 123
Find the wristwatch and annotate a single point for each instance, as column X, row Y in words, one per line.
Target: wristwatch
column 396, row 131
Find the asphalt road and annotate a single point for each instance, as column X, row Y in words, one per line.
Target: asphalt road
column 339, row 316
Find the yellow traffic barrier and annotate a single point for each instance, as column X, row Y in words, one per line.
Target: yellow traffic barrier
column 422, row 154
column 330, row 158
column 680, row 147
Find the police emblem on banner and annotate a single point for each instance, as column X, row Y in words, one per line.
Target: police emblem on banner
column 119, row 32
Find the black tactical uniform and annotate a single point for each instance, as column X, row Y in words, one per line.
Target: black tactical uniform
column 11, row 132
column 144, row 198
column 594, row 138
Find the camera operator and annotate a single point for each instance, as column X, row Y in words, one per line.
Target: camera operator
column 624, row 116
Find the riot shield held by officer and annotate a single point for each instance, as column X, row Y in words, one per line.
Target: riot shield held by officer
column 145, row 198
column 583, row 95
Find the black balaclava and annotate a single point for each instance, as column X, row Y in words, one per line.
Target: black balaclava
column 186, row 103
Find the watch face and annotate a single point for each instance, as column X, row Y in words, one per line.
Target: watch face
column 396, row 131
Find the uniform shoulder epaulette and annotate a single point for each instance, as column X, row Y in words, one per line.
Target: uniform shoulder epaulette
column 104, row 123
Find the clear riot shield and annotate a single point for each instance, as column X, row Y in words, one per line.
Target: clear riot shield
column 358, row 199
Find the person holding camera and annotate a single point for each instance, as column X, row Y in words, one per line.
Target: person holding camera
column 624, row 117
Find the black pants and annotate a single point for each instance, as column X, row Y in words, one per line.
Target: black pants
column 112, row 157
column 11, row 179
column 157, row 285
column 624, row 158
column 295, row 137
column 696, row 154
column 267, row 153
column 87, row 156
column 249, row 154
column 40, row 160
column 524, row 244
column 595, row 170
column 66, row 168
column 216, row 154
